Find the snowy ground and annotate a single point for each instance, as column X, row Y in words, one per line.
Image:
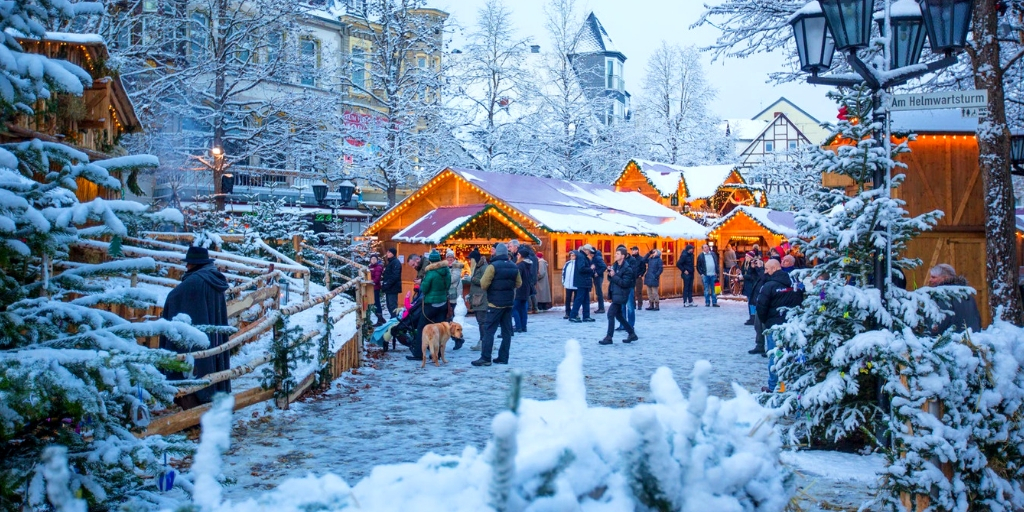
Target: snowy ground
column 392, row 411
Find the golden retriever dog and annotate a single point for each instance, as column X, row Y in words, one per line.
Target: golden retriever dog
column 435, row 337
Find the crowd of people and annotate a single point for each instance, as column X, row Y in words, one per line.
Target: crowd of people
column 515, row 282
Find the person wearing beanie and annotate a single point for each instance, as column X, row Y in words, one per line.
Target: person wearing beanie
column 686, row 264
column 391, row 280
column 437, row 278
column 477, row 302
column 499, row 281
column 455, row 289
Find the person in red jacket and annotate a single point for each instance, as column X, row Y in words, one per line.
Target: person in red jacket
column 376, row 271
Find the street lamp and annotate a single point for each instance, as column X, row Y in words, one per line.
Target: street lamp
column 813, row 42
column 319, row 192
column 947, row 22
column 908, row 30
column 345, row 190
column 1017, row 151
column 849, row 23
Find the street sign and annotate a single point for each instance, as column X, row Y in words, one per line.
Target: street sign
column 974, row 112
column 976, row 98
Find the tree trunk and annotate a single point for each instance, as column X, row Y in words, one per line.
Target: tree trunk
column 392, row 195
column 1004, row 299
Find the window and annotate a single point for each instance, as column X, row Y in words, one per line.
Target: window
column 198, row 35
column 149, row 5
column 792, row 145
column 359, row 67
column 421, row 62
column 605, row 246
column 613, row 74
column 572, row 244
column 668, row 253
column 769, row 146
column 674, row 200
column 310, row 49
column 274, row 44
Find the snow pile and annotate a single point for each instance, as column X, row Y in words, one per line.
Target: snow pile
column 703, row 453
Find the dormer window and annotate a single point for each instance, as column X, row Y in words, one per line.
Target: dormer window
column 674, row 200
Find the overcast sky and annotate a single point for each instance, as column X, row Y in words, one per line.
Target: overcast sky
column 637, row 27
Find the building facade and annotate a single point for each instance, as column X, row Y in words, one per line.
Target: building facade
column 599, row 67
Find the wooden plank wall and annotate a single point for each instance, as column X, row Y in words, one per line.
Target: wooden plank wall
column 943, row 174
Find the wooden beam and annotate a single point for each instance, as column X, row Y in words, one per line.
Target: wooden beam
column 172, row 423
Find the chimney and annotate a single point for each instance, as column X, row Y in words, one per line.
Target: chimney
column 777, row 114
column 534, row 48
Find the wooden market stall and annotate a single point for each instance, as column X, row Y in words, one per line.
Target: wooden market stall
column 465, row 209
column 942, row 173
column 749, row 225
column 702, row 192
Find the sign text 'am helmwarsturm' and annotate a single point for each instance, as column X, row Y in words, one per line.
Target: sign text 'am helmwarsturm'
column 952, row 99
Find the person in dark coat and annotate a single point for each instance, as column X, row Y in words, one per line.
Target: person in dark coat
column 523, row 292
column 599, row 267
column 584, row 280
column 707, row 267
column 964, row 312
column 500, row 280
column 200, row 295
column 640, row 264
column 630, row 304
column 621, row 279
column 753, row 269
column 652, row 279
column 685, row 264
column 778, row 292
column 376, row 270
column 391, row 280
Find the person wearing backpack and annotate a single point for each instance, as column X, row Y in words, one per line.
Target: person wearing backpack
column 621, row 278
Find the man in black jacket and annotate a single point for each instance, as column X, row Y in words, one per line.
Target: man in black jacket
column 500, row 280
column 685, row 266
column 777, row 293
column 583, row 280
column 620, row 277
column 599, row 267
column 964, row 312
column 640, row 265
column 391, row 280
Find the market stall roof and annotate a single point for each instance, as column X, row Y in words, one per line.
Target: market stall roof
column 441, row 223
column 1019, row 216
column 564, row 206
column 780, row 223
column 939, row 121
column 700, row 181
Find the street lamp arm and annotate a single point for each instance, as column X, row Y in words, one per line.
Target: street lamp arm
column 846, row 80
column 901, row 76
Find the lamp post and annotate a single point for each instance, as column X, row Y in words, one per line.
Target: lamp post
column 223, row 183
column 345, row 191
column 848, row 24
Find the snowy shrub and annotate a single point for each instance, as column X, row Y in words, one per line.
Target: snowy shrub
column 696, row 454
column 70, row 374
column 855, row 366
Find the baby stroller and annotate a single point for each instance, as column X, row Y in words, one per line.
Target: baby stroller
column 405, row 330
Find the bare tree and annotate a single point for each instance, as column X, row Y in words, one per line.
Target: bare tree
column 493, row 93
column 675, row 108
column 406, row 134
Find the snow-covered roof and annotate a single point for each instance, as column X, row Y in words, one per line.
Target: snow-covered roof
column 744, row 129
column 1019, row 217
column 68, row 37
column 780, row 223
column 701, row 181
column 576, row 207
column 594, row 38
column 946, row 120
column 436, row 225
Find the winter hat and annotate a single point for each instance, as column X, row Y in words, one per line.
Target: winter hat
column 449, row 254
column 474, row 255
column 393, row 251
column 587, row 247
column 435, row 256
column 525, row 251
column 501, row 250
column 197, row 256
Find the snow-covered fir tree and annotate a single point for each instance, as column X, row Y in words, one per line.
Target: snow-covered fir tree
column 71, row 374
column 846, row 352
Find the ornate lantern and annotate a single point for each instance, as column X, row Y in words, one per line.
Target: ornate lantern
column 849, row 21
column 813, row 43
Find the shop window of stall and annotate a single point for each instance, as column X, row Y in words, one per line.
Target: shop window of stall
column 668, row 254
column 605, row 246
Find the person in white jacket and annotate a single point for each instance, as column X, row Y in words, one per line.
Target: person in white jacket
column 568, row 274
